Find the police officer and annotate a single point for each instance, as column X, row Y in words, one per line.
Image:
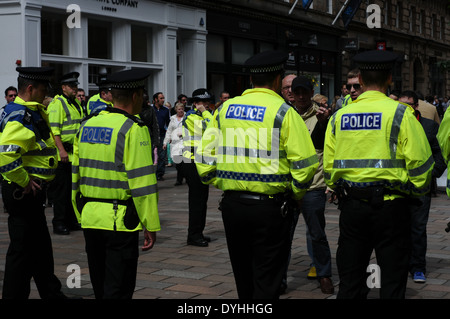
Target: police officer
column 101, row 100
column 194, row 124
column 259, row 152
column 443, row 137
column 376, row 156
column 114, row 190
column 28, row 159
column 65, row 114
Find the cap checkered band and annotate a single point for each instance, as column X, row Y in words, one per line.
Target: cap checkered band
column 128, row 85
column 375, row 66
column 266, row 69
column 35, row 77
column 70, row 80
column 203, row 96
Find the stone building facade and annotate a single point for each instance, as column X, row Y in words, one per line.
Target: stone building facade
column 417, row 30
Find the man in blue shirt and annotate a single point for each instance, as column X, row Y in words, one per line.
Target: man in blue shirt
column 163, row 117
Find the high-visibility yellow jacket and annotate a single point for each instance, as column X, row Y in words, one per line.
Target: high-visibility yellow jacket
column 194, row 124
column 65, row 118
column 347, row 100
column 97, row 104
column 443, row 137
column 257, row 143
column 376, row 141
column 112, row 161
column 27, row 147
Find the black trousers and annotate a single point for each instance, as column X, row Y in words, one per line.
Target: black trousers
column 112, row 259
column 258, row 239
column 363, row 229
column 60, row 189
column 30, row 253
column 198, row 201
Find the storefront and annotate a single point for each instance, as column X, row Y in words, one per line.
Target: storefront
column 232, row 39
column 95, row 36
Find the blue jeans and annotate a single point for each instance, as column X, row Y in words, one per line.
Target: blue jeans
column 162, row 157
column 419, row 220
column 313, row 210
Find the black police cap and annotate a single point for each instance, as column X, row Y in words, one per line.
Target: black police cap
column 129, row 79
column 42, row 74
column 375, row 60
column 301, row 81
column 200, row 95
column 103, row 82
column 266, row 62
column 70, row 78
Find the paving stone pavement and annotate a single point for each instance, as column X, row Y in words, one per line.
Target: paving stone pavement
column 173, row 270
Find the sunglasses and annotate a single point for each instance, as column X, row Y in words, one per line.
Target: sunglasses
column 355, row 86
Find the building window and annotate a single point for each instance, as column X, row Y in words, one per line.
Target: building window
column 265, row 46
column 241, row 49
column 442, row 35
column 330, row 6
column 53, row 34
column 412, row 19
column 99, row 39
column 399, row 15
column 215, row 48
column 433, row 26
column 387, row 12
column 141, row 44
column 422, row 21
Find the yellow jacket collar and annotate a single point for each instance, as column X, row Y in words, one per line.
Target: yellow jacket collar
column 261, row 90
column 31, row 104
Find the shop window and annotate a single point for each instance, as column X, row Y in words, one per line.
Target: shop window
column 53, row 34
column 215, row 48
column 141, row 44
column 241, row 49
column 266, row 46
column 99, row 39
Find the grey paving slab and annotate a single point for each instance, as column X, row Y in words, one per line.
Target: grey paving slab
column 173, row 270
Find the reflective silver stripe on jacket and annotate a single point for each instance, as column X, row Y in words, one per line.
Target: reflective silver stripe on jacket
column 117, row 166
column 378, row 163
column 369, row 163
column 305, row 163
column 13, row 113
column 423, row 168
column 10, row 148
column 395, row 129
column 264, row 154
column 68, row 121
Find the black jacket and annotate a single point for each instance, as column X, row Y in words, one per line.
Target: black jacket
column 431, row 128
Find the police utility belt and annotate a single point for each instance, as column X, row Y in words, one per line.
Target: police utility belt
column 131, row 219
column 374, row 195
column 283, row 199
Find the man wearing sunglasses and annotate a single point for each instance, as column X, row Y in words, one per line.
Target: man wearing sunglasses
column 353, row 87
column 10, row 95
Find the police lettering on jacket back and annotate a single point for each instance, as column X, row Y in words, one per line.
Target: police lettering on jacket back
column 246, row 112
column 96, row 135
column 361, row 121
